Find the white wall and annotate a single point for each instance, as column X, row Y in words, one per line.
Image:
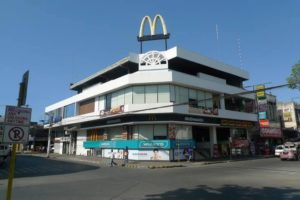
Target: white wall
column 81, row 137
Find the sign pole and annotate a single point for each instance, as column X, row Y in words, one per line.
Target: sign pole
column 12, row 163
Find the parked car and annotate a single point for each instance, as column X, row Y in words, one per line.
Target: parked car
column 4, row 150
column 279, row 150
column 291, row 151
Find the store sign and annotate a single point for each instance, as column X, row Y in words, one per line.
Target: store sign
column 287, row 117
column 155, row 154
column 264, row 123
column 260, row 92
column 236, row 123
column 154, row 144
column 262, row 115
column 271, row 132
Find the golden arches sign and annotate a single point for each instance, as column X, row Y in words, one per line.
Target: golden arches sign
column 152, row 25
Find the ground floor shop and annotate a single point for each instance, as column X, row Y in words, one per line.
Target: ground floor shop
column 158, row 137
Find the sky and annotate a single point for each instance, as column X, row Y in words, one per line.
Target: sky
column 64, row 41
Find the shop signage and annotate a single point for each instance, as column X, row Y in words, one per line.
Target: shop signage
column 287, row 117
column 260, row 92
column 236, row 123
column 262, row 115
column 264, row 123
column 152, row 26
column 271, row 132
column 154, row 144
column 237, row 143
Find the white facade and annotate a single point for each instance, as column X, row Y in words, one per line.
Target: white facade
column 175, row 83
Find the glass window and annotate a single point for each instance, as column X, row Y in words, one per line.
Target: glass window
column 128, row 95
column 201, row 99
column 183, row 95
column 101, row 103
column 138, row 94
column 151, row 93
column 172, row 93
column 183, row 132
column 160, row 132
column 108, row 102
column 69, row 110
column 145, row 132
column 209, row 100
column 192, row 94
column 114, row 99
column 121, row 98
column 163, row 94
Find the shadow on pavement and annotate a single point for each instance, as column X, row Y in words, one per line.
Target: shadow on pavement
column 203, row 192
column 31, row 166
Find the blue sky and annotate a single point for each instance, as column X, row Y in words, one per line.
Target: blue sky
column 64, row 41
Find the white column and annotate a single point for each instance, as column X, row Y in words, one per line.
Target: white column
column 212, row 138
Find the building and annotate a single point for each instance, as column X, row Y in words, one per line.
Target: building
column 158, row 101
column 289, row 112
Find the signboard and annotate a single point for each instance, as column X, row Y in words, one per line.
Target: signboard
column 271, row 133
column 17, row 121
column 262, row 115
column 236, row 123
column 260, row 92
column 17, row 115
column 15, row 134
column 264, row 123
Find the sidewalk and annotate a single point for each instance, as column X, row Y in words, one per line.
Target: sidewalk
column 105, row 162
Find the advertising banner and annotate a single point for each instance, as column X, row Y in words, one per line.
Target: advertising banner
column 271, row 132
column 262, row 115
column 260, row 92
column 155, row 154
column 264, row 123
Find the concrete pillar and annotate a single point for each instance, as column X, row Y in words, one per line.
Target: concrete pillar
column 212, row 138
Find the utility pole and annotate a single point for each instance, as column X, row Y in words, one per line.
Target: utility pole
column 21, row 102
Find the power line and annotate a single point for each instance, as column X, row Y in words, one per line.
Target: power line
column 202, row 100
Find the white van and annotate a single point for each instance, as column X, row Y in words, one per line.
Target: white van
column 4, row 150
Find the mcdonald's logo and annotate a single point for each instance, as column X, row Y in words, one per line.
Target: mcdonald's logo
column 152, row 118
column 152, row 24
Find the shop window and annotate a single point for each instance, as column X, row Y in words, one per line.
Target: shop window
column 145, row 132
column 160, row 132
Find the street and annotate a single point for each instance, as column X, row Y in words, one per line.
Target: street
column 40, row 178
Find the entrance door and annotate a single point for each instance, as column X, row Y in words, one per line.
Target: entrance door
column 201, row 137
column 65, row 148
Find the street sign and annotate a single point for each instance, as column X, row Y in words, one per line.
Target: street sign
column 15, row 134
column 17, row 115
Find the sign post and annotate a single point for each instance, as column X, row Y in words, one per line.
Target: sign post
column 16, row 130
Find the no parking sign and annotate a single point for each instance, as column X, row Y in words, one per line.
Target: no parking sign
column 17, row 121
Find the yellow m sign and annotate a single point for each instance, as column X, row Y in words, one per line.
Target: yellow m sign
column 152, row 24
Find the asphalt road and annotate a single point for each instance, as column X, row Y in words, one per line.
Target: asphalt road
column 39, row 178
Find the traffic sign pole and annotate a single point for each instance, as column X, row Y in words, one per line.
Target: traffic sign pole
column 21, row 102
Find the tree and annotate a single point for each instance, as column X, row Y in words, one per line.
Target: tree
column 294, row 79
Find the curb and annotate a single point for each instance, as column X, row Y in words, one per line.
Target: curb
column 164, row 166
